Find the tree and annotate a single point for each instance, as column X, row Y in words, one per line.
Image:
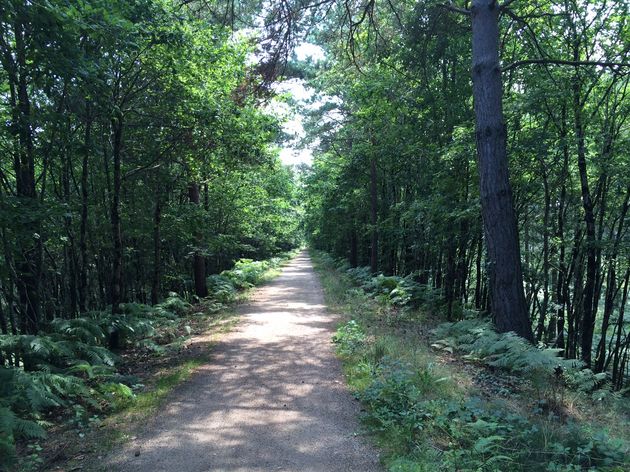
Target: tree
column 499, row 221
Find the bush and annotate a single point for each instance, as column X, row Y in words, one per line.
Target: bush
column 349, row 338
column 174, row 304
column 247, row 273
column 480, row 342
column 221, row 288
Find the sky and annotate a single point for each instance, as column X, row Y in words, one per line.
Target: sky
column 290, row 152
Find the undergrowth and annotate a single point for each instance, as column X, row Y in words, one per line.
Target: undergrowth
column 422, row 404
column 66, row 376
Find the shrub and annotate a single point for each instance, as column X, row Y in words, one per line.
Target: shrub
column 480, row 342
column 349, row 338
column 247, row 273
column 174, row 304
column 221, row 288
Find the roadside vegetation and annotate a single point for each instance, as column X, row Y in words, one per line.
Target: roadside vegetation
column 460, row 396
column 80, row 398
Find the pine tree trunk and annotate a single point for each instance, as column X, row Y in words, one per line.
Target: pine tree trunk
column 499, row 219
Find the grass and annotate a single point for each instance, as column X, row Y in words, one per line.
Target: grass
column 430, row 410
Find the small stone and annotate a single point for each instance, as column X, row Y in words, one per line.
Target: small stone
column 137, row 453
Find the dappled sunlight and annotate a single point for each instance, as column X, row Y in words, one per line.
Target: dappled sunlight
column 271, row 397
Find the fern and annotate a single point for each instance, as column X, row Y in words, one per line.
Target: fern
column 175, row 304
column 221, row 288
column 479, row 342
column 80, row 329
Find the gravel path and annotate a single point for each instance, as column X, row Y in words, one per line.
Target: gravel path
column 272, row 399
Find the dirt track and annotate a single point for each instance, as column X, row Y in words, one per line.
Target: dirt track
column 272, row 398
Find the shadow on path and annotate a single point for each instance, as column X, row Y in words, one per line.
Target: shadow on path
column 272, row 397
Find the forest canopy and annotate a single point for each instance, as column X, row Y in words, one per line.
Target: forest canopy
column 411, row 176
column 470, row 154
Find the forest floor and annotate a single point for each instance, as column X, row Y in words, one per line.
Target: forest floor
column 430, row 408
column 271, row 396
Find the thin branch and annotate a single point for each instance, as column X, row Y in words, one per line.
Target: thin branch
column 561, row 62
column 454, row 8
column 506, row 4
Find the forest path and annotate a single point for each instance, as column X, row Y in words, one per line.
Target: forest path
column 271, row 399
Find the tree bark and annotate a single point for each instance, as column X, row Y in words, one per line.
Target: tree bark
column 157, row 260
column 373, row 216
column 87, row 140
column 499, row 219
column 199, row 262
column 29, row 263
column 587, row 325
column 117, row 256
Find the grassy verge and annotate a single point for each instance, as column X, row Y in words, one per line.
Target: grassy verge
column 430, row 408
column 177, row 349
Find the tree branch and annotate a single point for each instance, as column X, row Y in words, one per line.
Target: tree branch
column 561, row 62
column 454, row 8
column 506, row 4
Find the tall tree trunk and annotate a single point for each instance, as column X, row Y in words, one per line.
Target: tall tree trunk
column 587, row 325
column 29, row 263
column 499, row 220
column 117, row 256
column 199, row 262
column 87, row 140
column 611, row 284
column 561, row 300
column 545, row 303
column 157, row 260
column 617, row 373
column 373, row 216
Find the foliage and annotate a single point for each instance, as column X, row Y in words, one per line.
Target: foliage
column 221, row 288
column 395, row 181
column 71, row 369
column 480, row 342
column 349, row 337
column 425, row 421
column 247, row 273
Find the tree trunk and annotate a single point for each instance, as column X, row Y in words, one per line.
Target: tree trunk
column 29, row 264
column 199, row 262
column 540, row 330
column 373, row 216
column 587, row 325
column 117, row 256
column 499, row 220
column 617, row 373
column 561, row 300
column 157, row 214
column 83, row 283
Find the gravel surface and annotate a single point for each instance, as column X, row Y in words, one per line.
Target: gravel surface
column 272, row 398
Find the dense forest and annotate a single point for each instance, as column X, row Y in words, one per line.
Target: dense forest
column 471, row 153
column 412, row 177
column 137, row 160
